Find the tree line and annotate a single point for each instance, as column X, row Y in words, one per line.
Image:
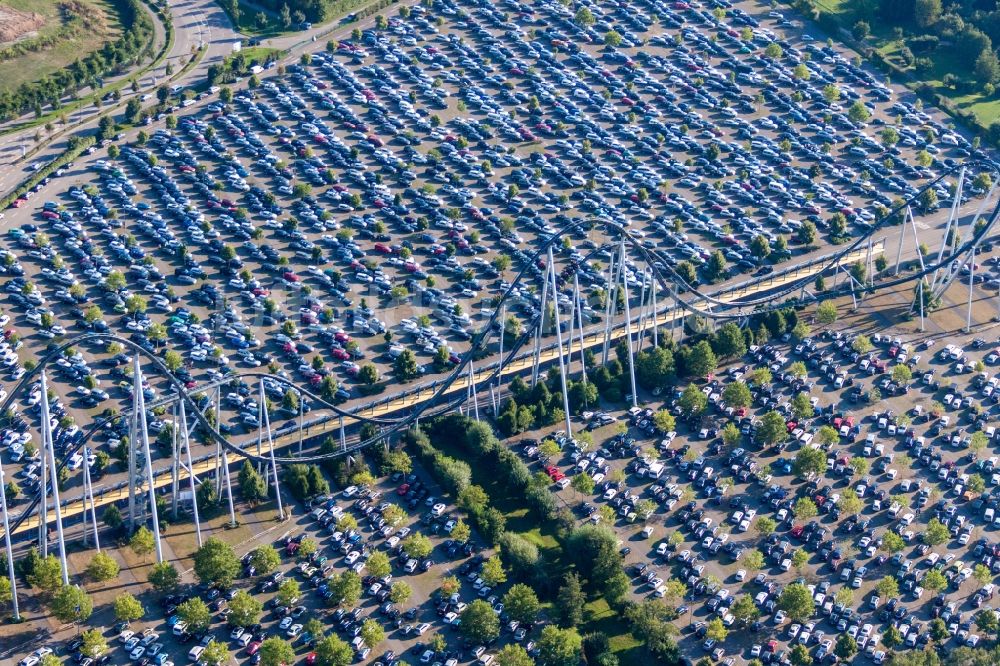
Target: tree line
column 134, row 43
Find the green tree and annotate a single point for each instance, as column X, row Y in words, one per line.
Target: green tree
column 693, row 401
column 265, row 559
column 802, row 407
column 846, row 647
column 332, row 651
column 216, row 653
column 196, row 614
column 736, row 395
column 796, row 600
column 849, row 502
column 103, row 567
column 715, row 268
column 163, row 577
column 244, row 609
column 892, row 542
column 379, row 565
column 94, row 644
column 492, row 572
column 346, row 588
column 513, row 655
column 858, row 112
column 809, row 461
column 772, row 429
column 559, row 647
column 799, row 655
column 46, row 574
column 764, row 525
column 417, row 546
column 754, row 560
column 745, row 610
column 891, row 638
column 887, row 587
column 289, row 592
column 569, row 602
column 405, row 366
column 805, row 509
column 142, row 542
column 826, row 313
column 936, row 533
column 372, row 633
column 479, row 623
column 583, row 483
column 216, row 563
column 276, row 652
column 584, row 18
column 71, row 604
column 521, row 603
column 934, row 581
column 128, row 608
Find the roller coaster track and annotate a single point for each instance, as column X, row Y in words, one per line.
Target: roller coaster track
column 727, row 304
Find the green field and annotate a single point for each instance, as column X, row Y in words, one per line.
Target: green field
column 35, row 65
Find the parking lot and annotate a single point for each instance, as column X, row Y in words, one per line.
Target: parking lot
column 371, row 202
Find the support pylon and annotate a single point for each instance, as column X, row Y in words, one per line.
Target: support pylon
column 559, row 342
column 628, row 326
column 148, row 470
column 7, row 547
column 192, row 479
column 48, row 450
column 270, row 446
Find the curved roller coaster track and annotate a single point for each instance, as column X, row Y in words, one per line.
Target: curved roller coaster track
column 733, row 303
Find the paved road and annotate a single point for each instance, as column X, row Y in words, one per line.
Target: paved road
column 196, row 22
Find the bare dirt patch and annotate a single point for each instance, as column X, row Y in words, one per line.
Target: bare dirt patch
column 16, row 25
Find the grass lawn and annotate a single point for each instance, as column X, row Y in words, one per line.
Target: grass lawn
column 598, row 616
column 944, row 61
column 36, row 65
column 519, row 518
column 259, row 54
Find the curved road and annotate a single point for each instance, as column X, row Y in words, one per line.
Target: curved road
column 196, row 23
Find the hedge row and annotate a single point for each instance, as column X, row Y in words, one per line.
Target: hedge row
column 77, row 145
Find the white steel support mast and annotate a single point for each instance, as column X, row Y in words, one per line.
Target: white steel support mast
column 628, row 324
column 559, row 341
column 192, row 479
column 88, row 494
column 50, row 458
column 8, row 549
column 266, row 422
column 147, row 458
